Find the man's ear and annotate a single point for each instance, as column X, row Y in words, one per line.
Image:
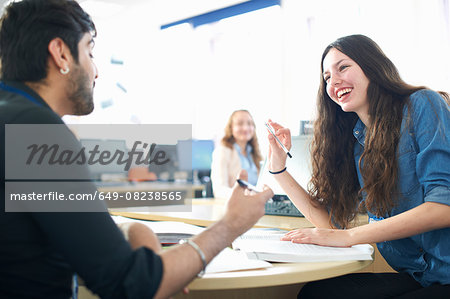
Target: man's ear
column 60, row 53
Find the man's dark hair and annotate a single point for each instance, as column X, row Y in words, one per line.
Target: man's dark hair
column 28, row 26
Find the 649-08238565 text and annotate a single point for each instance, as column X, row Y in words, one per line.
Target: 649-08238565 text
column 107, row 196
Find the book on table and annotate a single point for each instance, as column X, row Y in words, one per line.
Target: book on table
column 265, row 244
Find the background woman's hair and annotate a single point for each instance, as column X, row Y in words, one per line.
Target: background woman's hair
column 334, row 182
column 228, row 140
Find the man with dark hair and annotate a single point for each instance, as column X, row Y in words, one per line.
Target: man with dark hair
column 47, row 72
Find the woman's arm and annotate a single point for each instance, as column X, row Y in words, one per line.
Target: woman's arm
column 316, row 214
column 423, row 218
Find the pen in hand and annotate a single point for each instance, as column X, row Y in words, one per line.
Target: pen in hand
column 271, row 130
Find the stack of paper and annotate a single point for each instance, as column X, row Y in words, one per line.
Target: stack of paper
column 266, row 245
column 230, row 260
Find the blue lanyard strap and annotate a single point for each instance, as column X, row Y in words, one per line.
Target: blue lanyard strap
column 20, row 92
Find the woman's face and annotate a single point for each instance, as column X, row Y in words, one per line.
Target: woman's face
column 242, row 126
column 346, row 82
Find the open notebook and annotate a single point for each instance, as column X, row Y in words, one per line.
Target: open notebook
column 263, row 244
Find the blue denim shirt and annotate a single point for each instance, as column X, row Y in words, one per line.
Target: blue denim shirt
column 424, row 176
column 247, row 163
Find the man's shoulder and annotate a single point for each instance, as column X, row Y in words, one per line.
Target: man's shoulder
column 18, row 110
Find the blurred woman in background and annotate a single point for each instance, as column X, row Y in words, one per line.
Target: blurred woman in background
column 238, row 150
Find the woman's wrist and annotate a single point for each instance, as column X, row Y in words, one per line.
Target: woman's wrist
column 276, row 167
column 351, row 237
column 278, row 171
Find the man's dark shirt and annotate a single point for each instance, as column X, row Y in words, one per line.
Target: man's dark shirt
column 39, row 252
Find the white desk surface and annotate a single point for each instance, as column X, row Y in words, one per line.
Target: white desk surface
column 207, row 211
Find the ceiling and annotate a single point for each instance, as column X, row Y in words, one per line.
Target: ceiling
column 169, row 10
column 173, row 10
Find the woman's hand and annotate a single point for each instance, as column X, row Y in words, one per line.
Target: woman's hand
column 320, row 236
column 277, row 157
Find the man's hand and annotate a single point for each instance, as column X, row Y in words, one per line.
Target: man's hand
column 138, row 235
column 245, row 208
column 320, row 236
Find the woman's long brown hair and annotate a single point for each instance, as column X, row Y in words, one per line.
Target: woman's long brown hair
column 228, row 140
column 334, row 182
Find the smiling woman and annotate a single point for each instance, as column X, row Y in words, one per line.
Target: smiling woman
column 345, row 80
column 379, row 146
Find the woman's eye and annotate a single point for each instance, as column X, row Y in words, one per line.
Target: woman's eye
column 343, row 67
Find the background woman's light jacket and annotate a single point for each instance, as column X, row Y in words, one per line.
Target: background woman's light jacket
column 225, row 168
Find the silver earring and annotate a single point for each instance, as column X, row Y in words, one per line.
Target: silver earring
column 64, row 71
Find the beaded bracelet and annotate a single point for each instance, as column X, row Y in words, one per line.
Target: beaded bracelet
column 278, row 172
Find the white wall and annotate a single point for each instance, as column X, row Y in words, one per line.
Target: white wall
column 266, row 61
